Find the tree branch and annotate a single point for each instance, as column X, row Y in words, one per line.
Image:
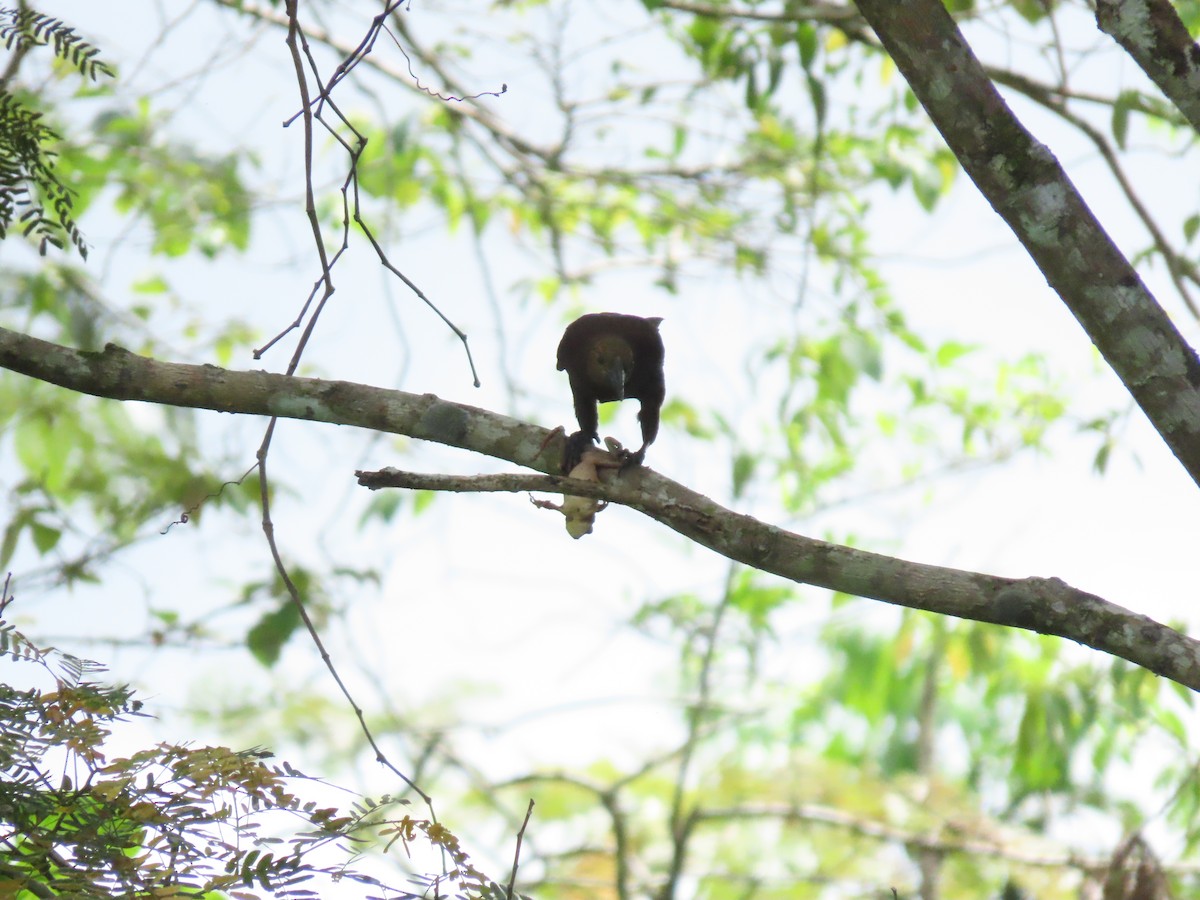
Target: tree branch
column 810, row 12
column 1044, row 605
column 1023, row 849
column 1025, row 184
column 1154, row 35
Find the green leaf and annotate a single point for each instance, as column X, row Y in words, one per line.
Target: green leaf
column 1190, row 226
column 383, row 506
column 816, row 93
column 862, row 352
column 45, row 538
column 1033, row 11
column 743, row 470
column 267, row 637
column 678, row 140
column 951, row 351
column 807, row 42
column 43, row 449
column 9, row 544
column 1120, row 116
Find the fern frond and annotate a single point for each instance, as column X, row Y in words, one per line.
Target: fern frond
column 28, row 182
column 25, row 28
column 27, row 179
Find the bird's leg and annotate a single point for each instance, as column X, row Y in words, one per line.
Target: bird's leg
column 577, row 444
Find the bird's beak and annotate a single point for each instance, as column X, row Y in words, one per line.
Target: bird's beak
column 616, row 380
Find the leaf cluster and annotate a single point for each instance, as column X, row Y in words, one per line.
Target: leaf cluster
column 172, row 820
column 23, row 28
column 191, row 201
column 28, row 177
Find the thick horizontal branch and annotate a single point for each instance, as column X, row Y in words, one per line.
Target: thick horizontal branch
column 120, row 375
column 1045, row 605
column 1025, row 184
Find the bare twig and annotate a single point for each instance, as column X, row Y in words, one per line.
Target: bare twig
column 517, row 852
column 311, row 110
column 294, row 41
column 5, row 596
column 186, row 515
column 436, row 94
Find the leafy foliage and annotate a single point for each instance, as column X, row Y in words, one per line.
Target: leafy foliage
column 190, row 200
column 24, row 28
column 28, row 178
column 24, row 159
column 172, row 820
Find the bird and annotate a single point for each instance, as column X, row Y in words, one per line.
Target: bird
column 610, row 357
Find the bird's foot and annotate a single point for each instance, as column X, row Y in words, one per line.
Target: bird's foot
column 631, row 458
column 577, row 444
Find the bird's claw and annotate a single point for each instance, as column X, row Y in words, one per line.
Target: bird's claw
column 577, row 444
column 631, row 458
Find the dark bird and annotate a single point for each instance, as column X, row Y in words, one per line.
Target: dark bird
column 610, row 357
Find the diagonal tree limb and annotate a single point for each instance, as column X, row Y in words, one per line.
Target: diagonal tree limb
column 1025, row 184
column 1045, row 605
column 1154, row 35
